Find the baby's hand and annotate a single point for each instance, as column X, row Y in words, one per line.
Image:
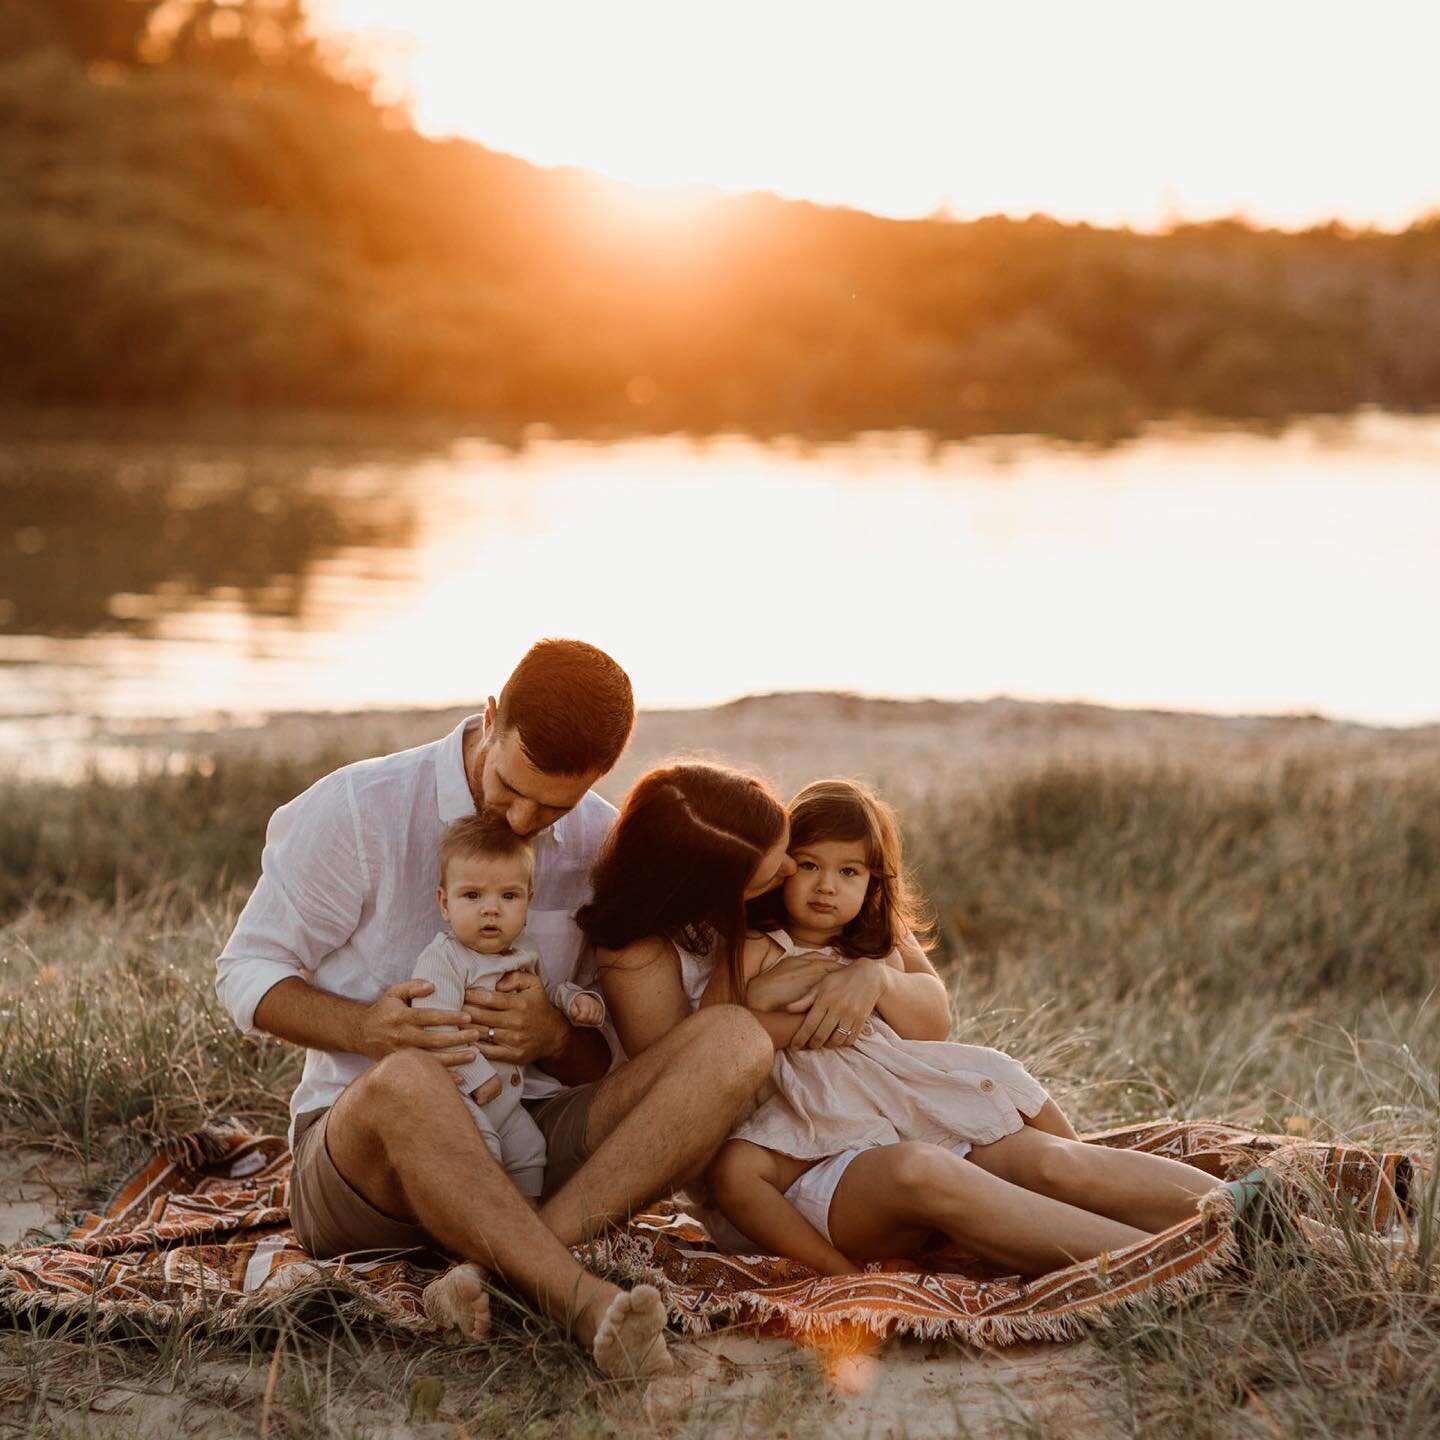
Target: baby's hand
column 486, row 1092
column 586, row 1010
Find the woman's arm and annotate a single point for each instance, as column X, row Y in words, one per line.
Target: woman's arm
column 642, row 988
column 789, row 982
column 914, row 1000
column 778, row 1025
column 903, row 989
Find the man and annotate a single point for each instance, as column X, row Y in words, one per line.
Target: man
column 386, row 1155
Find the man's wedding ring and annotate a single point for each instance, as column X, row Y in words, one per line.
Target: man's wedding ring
column 490, row 1036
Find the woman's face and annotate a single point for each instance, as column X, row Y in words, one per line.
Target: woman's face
column 774, row 867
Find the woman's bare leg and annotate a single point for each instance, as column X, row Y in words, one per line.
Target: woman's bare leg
column 890, row 1201
column 1130, row 1186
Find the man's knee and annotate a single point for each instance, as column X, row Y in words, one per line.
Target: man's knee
column 732, row 1035
column 402, row 1085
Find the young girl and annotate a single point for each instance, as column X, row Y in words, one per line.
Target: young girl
column 919, row 1107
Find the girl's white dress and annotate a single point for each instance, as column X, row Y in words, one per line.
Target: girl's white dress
column 883, row 1089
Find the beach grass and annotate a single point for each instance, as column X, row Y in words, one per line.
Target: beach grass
column 1151, row 941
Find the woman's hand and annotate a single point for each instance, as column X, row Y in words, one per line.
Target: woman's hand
column 844, row 1001
column 790, row 983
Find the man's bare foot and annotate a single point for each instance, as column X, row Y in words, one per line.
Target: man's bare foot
column 459, row 1300
column 629, row 1340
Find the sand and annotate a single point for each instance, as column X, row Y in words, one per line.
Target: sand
column 899, row 745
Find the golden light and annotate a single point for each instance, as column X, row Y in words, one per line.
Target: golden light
column 1118, row 111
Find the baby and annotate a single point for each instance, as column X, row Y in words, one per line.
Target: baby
column 486, row 873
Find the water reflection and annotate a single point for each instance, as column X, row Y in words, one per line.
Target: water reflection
column 1226, row 571
column 97, row 540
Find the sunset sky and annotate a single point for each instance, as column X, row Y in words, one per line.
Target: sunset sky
column 1110, row 111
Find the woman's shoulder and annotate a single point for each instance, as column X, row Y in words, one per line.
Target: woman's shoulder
column 648, row 950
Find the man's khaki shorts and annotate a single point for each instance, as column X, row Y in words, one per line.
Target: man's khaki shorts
column 332, row 1218
column 563, row 1119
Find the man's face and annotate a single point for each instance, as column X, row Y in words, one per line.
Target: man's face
column 511, row 788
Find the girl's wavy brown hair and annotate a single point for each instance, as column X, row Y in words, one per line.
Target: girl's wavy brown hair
column 840, row 809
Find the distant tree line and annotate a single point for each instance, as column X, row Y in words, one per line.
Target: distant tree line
column 196, row 212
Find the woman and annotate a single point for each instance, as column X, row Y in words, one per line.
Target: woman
column 693, row 843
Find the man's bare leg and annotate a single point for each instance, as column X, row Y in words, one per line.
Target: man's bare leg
column 657, row 1120
column 401, row 1136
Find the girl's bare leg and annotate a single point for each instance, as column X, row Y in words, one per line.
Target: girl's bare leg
column 749, row 1183
column 1147, row 1191
column 1052, row 1120
column 890, row 1201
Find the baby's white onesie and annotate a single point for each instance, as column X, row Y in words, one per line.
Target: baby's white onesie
column 510, row 1133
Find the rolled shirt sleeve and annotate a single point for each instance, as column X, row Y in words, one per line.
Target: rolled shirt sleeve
column 307, row 902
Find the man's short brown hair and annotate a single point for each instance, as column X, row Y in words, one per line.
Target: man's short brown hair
column 571, row 705
column 480, row 836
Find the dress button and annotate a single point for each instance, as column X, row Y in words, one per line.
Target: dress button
column 515, row 1078
column 987, row 1085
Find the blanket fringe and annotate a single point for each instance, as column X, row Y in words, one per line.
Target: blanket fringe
column 126, row 1270
column 633, row 1257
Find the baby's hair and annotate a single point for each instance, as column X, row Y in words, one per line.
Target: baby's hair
column 480, row 837
column 842, row 809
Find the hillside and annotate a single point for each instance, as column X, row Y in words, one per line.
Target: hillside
column 261, row 236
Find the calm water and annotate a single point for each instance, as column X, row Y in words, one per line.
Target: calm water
column 1217, row 571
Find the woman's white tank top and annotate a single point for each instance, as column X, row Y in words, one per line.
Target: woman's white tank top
column 695, row 971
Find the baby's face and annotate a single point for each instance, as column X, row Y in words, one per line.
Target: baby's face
column 485, row 900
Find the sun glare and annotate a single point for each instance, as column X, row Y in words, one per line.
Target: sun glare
column 1116, row 111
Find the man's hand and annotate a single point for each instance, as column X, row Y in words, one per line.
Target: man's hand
column 527, row 1027
column 844, row 1001
column 390, row 1025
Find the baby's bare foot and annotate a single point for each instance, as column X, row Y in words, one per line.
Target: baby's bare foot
column 630, row 1338
column 459, row 1300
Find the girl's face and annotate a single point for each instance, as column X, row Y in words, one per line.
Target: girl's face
column 829, row 885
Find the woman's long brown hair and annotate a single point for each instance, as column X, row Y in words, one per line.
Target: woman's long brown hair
column 685, row 846
column 841, row 809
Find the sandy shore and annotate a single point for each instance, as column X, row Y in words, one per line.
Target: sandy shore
column 901, row 745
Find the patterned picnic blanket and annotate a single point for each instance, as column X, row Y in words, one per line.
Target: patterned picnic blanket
column 200, row 1233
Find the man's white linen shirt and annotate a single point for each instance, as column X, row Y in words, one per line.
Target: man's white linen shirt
column 347, row 893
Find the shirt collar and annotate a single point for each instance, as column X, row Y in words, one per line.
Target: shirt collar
column 452, row 785
column 452, row 789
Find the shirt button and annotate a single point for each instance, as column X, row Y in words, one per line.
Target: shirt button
column 515, row 1078
column 987, row 1085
